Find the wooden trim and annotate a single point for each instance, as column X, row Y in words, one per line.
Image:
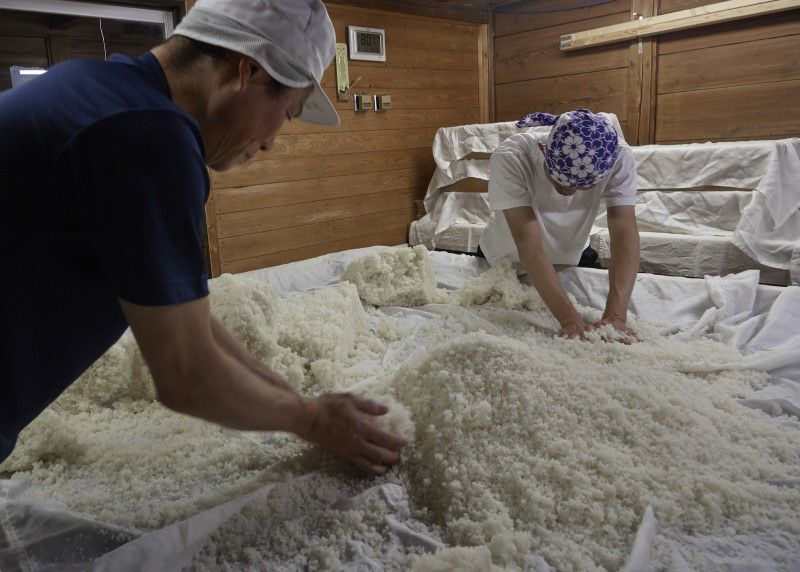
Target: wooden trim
column 483, row 74
column 681, row 20
column 490, row 65
column 211, row 234
column 388, row 237
column 640, row 79
column 467, row 185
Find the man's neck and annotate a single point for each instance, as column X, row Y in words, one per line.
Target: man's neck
column 189, row 89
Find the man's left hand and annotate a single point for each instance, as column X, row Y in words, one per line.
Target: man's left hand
column 627, row 335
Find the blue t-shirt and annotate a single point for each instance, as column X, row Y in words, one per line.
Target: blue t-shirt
column 102, row 191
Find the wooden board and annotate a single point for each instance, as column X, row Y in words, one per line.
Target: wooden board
column 274, row 241
column 348, row 142
column 760, row 61
column 386, row 237
column 750, row 111
column 527, row 16
column 468, row 185
column 600, row 90
column 761, row 28
column 727, row 11
column 535, row 54
column 272, row 218
column 297, row 169
column 312, row 190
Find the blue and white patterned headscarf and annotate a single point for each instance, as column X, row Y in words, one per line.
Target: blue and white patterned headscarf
column 581, row 149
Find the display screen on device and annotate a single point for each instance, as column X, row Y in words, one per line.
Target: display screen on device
column 369, row 43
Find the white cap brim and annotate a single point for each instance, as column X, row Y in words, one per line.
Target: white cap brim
column 319, row 109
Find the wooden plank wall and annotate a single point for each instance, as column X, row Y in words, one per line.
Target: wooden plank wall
column 325, row 189
column 41, row 40
column 733, row 81
column 532, row 74
column 739, row 80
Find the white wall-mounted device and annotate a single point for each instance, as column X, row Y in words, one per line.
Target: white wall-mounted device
column 367, row 43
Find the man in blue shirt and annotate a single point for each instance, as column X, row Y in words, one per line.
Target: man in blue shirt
column 103, row 170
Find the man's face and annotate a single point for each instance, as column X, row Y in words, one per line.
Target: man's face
column 245, row 115
column 560, row 189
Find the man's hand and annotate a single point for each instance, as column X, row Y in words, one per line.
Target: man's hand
column 627, row 335
column 575, row 329
column 343, row 424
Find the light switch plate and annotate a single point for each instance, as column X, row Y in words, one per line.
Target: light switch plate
column 383, row 102
column 362, row 102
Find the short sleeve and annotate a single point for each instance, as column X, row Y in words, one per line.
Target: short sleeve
column 507, row 186
column 140, row 185
column 623, row 184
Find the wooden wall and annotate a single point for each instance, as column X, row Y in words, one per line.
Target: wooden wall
column 41, row 40
column 325, row 189
column 532, row 74
column 739, row 80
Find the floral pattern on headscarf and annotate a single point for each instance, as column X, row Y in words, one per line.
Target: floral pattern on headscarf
column 581, row 149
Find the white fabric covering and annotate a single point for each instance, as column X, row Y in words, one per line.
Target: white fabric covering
column 766, row 227
column 762, row 322
column 689, row 255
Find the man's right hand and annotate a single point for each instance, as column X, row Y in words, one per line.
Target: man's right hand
column 344, row 424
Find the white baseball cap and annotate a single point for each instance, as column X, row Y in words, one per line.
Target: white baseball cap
column 293, row 40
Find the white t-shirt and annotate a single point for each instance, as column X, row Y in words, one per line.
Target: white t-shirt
column 518, row 179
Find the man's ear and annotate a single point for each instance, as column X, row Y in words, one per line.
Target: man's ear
column 247, row 69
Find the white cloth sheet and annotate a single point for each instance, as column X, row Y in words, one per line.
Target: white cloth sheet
column 763, row 322
column 767, row 225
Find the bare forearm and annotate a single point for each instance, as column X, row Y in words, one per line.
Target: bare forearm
column 622, row 274
column 223, row 390
column 236, row 350
column 544, row 278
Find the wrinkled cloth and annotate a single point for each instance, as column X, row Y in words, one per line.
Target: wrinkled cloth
column 762, row 322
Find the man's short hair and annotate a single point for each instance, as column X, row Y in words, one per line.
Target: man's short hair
column 186, row 53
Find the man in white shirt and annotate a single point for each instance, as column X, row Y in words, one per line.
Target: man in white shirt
column 549, row 188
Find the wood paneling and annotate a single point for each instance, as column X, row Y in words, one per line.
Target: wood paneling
column 741, row 112
column 760, row 61
column 387, row 236
column 286, row 216
column 323, row 189
column 20, row 51
column 526, row 16
column 772, row 26
column 535, row 54
column 279, row 240
column 347, row 142
column 729, row 81
column 595, row 90
column 377, row 77
column 314, row 190
column 300, row 168
column 42, row 40
column 739, row 80
column 532, row 74
column 468, row 10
